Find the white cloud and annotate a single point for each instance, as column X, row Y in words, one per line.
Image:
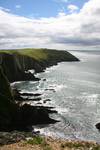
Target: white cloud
column 5, row 9
column 61, row 14
column 72, row 8
column 66, row 31
column 18, row 6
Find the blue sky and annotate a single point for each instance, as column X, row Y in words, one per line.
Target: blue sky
column 57, row 24
column 39, row 8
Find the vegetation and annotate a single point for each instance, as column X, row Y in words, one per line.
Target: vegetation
column 22, row 60
column 38, row 140
column 41, row 54
column 80, row 145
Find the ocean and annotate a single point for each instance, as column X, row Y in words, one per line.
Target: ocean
column 73, row 88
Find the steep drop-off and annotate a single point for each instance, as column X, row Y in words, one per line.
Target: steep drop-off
column 16, row 117
column 14, row 66
column 7, row 104
column 15, row 63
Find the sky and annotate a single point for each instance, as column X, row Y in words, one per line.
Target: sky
column 57, row 24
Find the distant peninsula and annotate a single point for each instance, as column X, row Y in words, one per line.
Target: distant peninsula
column 16, row 63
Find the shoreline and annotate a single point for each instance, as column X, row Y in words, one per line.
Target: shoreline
column 39, row 142
column 15, row 115
column 22, row 140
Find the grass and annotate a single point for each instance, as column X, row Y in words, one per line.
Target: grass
column 80, row 146
column 41, row 54
column 35, row 141
column 38, row 54
column 39, row 141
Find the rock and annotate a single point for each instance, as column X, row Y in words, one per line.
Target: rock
column 98, row 126
column 50, row 90
column 39, row 103
column 31, row 115
column 15, row 65
column 17, row 68
column 13, row 116
column 44, row 79
column 13, row 137
column 47, row 100
column 20, row 63
column 7, row 103
column 17, row 96
column 30, row 94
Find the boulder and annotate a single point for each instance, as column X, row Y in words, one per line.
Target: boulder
column 98, row 126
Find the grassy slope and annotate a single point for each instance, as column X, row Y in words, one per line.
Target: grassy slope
column 41, row 54
column 47, row 143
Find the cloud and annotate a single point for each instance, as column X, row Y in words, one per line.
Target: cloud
column 79, row 30
column 18, row 6
column 5, row 9
column 72, row 8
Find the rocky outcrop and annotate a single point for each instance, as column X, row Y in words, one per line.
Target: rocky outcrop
column 98, row 126
column 14, row 67
column 7, row 104
column 16, row 64
column 16, row 117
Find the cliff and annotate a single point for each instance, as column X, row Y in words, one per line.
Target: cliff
column 7, row 104
column 16, row 117
column 15, row 63
column 13, row 67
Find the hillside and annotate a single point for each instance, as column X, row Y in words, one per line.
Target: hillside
column 15, row 63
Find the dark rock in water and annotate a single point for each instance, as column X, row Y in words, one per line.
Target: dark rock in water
column 47, row 100
column 29, row 99
column 30, row 94
column 44, row 79
column 98, row 126
column 37, row 94
column 39, row 103
column 31, row 115
column 17, row 95
column 35, row 99
column 35, row 133
column 50, row 90
column 15, row 117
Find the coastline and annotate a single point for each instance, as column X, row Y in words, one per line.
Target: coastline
column 22, row 61
column 21, row 141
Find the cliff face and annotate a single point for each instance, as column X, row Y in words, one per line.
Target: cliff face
column 7, row 106
column 15, row 63
column 16, row 117
column 14, row 67
column 5, row 88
